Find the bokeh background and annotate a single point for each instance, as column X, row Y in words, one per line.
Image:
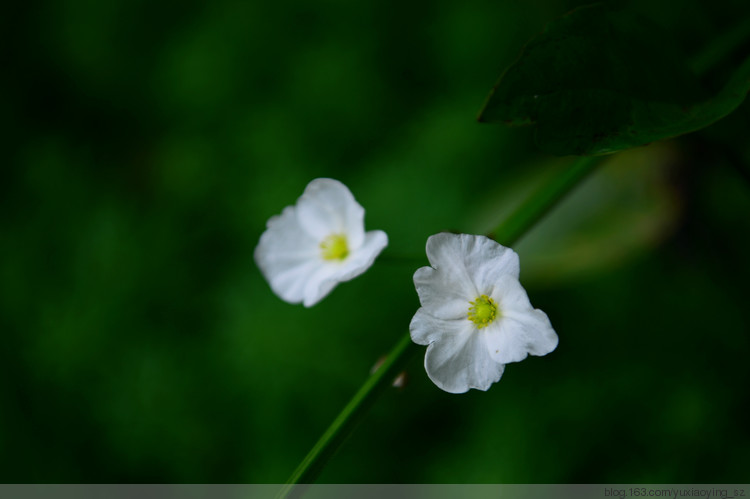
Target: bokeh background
column 146, row 146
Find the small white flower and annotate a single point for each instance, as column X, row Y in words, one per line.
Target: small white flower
column 317, row 243
column 475, row 315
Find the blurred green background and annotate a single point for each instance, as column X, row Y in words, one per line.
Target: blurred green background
column 148, row 145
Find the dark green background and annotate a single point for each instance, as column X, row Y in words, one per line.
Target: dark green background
column 148, row 144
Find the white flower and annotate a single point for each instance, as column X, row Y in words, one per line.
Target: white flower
column 475, row 315
column 316, row 244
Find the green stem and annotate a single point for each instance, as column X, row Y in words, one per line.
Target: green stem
column 313, row 463
column 542, row 201
column 721, row 47
column 520, row 221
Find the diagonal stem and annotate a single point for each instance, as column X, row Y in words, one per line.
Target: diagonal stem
column 515, row 226
column 329, row 442
column 721, row 47
column 542, row 201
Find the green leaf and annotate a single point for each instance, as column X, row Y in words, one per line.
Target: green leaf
column 601, row 79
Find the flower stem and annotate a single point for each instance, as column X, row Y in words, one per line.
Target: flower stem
column 520, row 221
column 313, row 463
column 721, row 47
column 542, row 201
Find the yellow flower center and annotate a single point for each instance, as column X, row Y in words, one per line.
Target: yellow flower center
column 483, row 311
column 334, row 247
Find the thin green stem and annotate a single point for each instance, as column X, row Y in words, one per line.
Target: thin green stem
column 517, row 224
column 542, row 201
column 313, row 463
column 721, row 47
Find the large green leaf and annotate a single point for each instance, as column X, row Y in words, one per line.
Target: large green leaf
column 601, row 79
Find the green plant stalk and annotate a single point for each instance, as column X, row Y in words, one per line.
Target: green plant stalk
column 329, row 442
column 720, row 48
column 507, row 233
column 542, row 201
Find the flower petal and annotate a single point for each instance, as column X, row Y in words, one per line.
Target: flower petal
column 465, row 267
column 460, row 361
column 478, row 258
column 442, row 297
column 328, row 207
column 363, row 257
column 446, row 288
column 425, row 328
column 320, row 283
column 286, row 256
column 330, row 274
column 521, row 330
column 469, row 254
column 292, row 285
column 487, row 261
column 447, row 254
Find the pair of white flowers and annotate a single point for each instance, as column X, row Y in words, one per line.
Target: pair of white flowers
column 475, row 315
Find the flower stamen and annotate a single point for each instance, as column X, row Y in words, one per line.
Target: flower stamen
column 483, row 311
column 334, row 247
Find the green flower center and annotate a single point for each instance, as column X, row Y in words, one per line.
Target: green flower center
column 483, row 311
column 334, row 247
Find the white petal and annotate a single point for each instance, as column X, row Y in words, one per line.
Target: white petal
column 487, row 261
column 425, row 328
column 460, row 360
column 287, row 256
column 319, row 283
column 292, row 285
column 478, row 258
column 465, row 267
column 446, row 288
column 510, row 295
column 330, row 274
column 328, row 207
column 363, row 257
column 521, row 330
column 441, row 296
column 466, row 254
column 447, row 254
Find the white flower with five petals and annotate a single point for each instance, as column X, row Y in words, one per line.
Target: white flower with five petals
column 475, row 315
column 317, row 243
